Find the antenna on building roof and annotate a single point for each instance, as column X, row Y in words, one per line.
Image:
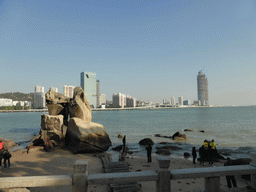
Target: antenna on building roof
column 201, row 69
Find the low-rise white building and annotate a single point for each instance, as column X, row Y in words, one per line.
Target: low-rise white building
column 5, row 102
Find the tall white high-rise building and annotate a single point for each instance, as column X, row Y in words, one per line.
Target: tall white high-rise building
column 202, row 89
column 54, row 89
column 39, row 97
column 180, row 100
column 173, row 101
column 68, row 91
column 89, row 85
column 103, row 99
column 39, row 89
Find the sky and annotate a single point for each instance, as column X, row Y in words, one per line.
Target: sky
column 149, row 49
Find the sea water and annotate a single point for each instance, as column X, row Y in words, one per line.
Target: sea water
column 232, row 128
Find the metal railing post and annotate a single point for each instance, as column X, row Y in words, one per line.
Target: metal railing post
column 163, row 184
column 79, row 181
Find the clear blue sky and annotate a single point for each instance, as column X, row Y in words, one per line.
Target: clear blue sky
column 148, row 49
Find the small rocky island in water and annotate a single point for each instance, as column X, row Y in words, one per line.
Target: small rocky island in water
column 69, row 125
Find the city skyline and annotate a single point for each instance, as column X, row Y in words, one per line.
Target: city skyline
column 149, row 49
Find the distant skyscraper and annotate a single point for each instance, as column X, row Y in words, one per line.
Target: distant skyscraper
column 88, row 84
column 97, row 93
column 173, row 101
column 39, row 97
column 180, row 100
column 68, row 91
column 54, row 89
column 202, row 89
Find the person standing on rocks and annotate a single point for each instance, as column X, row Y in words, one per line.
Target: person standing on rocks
column 149, row 151
column 194, row 155
column 124, row 141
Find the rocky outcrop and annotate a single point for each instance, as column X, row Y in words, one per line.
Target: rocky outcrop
column 57, row 104
column 8, row 143
column 188, row 130
column 52, row 128
column 179, row 136
column 79, row 106
column 84, row 136
column 163, row 152
column 146, row 141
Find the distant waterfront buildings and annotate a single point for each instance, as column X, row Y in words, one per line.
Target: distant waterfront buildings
column 180, row 100
column 54, row 89
column 88, row 83
column 122, row 100
column 39, row 97
column 68, row 91
column 186, row 102
column 202, row 89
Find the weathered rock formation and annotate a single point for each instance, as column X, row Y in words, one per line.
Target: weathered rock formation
column 57, row 104
column 84, row 136
column 79, row 134
column 79, row 106
column 52, row 128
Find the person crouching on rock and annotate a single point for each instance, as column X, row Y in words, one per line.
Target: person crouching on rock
column 7, row 157
column 194, row 155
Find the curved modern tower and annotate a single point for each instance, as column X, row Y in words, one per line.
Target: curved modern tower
column 202, row 89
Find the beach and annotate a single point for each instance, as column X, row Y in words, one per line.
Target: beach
column 60, row 162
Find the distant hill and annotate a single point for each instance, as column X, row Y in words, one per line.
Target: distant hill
column 17, row 96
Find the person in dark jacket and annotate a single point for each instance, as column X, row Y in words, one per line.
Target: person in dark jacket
column 7, row 157
column 202, row 155
column 194, row 155
column 230, row 178
column 149, row 150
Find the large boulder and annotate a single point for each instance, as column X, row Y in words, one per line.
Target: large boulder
column 146, row 141
column 179, row 136
column 84, row 136
column 8, row 143
column 52, row 128
column 57, row 104
column 79, row 106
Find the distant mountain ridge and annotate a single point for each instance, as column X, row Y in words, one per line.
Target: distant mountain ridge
column 17, row 96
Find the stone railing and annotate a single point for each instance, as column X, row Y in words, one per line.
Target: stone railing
column 163, row 176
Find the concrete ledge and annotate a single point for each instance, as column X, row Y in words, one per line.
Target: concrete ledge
column 35, row 181
column 109, row 178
